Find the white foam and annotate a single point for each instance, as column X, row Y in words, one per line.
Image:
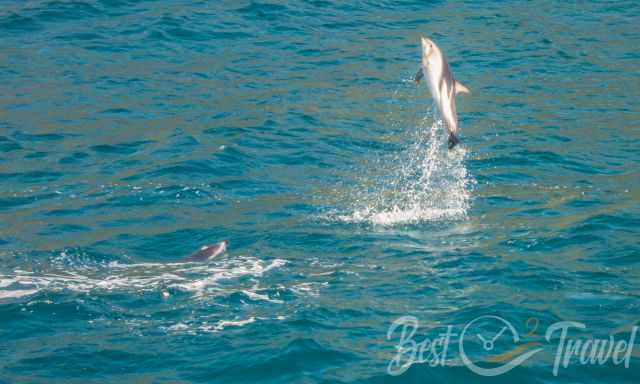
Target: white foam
column 258, row 296
column 310, row 289
column 243, row 267
column 150, row 277
column 17, row 293
column 178, row 327
column 222, row 324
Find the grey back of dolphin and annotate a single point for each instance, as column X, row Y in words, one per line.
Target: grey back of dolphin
column 208, row 252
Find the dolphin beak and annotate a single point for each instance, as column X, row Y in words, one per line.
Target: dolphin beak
column 426, row 43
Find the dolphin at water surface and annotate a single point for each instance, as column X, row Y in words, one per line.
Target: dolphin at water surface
column 208, row 252
column 442, row 84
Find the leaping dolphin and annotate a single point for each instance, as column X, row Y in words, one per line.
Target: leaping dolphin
column 442, row 85
column 208, row 252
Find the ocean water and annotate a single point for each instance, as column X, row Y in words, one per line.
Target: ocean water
column 134, row 132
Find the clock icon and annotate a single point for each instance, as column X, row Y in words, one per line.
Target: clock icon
column 489, row 343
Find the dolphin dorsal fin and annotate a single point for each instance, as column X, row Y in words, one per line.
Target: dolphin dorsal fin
column 461, row 88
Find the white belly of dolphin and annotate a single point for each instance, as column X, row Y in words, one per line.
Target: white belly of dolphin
column 442, row 85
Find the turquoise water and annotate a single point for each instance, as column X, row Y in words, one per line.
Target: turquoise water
column 134, row 132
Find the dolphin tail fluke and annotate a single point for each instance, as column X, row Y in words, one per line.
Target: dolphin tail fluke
column 453, row 140
column 419, row 75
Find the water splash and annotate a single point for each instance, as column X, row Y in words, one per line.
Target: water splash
column 425, row 182
column 198, row 279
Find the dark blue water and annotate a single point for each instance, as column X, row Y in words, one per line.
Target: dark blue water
column 134, row 132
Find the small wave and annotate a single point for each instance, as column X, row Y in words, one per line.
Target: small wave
column 311, row 289
column 17, row 293
column 220, row 325
column 261, row 297
column 233, row 323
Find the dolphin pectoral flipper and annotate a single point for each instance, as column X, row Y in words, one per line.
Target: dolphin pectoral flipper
column 461, row 88
column 419, row 75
